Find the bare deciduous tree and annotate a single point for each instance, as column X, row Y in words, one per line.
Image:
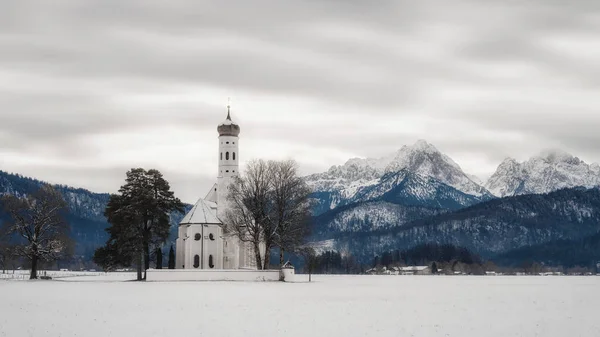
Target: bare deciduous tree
column 310, row 259
column 268, row 207
column 37, row 220
column 249, row 207
column 290, row 213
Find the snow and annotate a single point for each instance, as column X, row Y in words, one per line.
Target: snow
column 422, row 158
column 203, row 212
column 550, row 171
column 330, row 306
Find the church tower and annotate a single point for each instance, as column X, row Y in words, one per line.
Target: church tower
column 228, row 160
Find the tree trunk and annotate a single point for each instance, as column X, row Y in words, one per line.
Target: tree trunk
column 139, row 266
column 159, row 258
column 34, row 266
column 259, row 264
column 146, row 256
column 267, row 257
column 280, row 257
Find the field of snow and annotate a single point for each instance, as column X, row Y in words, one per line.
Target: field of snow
column 59, row 274
column 330, row 306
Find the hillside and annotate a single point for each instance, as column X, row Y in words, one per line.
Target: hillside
column 85, row 215
column 493, row 227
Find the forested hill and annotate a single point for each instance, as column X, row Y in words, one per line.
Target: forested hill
column 567, row 253
column 495, row 226
column 86, row 211
column 82, row 203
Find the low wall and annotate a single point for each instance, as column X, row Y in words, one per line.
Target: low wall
column 211, row 275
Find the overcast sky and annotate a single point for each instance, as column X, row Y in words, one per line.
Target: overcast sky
column 89, row 89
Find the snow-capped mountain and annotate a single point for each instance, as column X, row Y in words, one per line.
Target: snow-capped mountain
column 363, row 179
column 545, row 173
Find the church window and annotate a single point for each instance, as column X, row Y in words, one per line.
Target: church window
column 233, row 155
column 226, row 155
column 210, row 261
column 226, row 142
column 196, row 261
column 197, row 237
column 227, row 171
column 221, row 155
column 211, row 237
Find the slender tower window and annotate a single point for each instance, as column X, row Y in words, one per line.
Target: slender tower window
column 226, row 155
column 196, row 261
column 233, row 155
column 210, row 261
column 221, row 155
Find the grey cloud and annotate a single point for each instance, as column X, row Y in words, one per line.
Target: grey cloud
column 72, row 61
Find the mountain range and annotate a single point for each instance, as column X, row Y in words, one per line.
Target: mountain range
column 414, row 195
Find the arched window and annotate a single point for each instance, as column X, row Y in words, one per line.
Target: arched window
column 226, row 142
column 233, row 155
column 226, row 155
column 221, row 155
column 210, row 261
column 211, row 237
column 196, row 261
column 197, row 237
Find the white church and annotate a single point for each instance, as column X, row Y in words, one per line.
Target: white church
column 202, row 241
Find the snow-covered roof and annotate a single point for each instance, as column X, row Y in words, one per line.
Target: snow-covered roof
column 211, row 196
column 203, row 212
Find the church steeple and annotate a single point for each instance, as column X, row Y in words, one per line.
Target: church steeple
column 228, row 127
column 228, row 160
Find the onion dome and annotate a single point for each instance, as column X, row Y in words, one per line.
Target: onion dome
column 228, row 127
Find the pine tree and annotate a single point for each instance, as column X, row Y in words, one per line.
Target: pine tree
column 434, row 269
column 171, row 258
column 159, row 258
column 139, row 217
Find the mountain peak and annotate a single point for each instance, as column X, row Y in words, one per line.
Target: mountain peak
column 423, row 145
column 549, row 171
column 421, row 159
column 557, row 156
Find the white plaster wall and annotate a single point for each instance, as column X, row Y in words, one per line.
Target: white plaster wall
column 213, row 248
column 180, row 247
column 211, row 275
column 228, row 168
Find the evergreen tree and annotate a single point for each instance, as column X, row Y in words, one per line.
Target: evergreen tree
column 139, row 218
column 159, row 258
column 171, row 258
column 434, row 269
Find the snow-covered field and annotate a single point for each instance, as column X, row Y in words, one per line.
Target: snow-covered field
column 331, row 306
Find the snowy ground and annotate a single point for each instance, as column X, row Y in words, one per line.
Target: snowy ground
column 331, row 306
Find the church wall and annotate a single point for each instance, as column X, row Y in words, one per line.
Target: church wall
column 211, row 275
column 213, row 251
column 228, row 168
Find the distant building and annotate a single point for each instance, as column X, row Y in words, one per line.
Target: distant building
column 415, row 270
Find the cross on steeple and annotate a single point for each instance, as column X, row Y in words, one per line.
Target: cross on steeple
column 228, row 108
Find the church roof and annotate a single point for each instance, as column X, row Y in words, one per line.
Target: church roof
column 228, row 127
column 203, row 212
